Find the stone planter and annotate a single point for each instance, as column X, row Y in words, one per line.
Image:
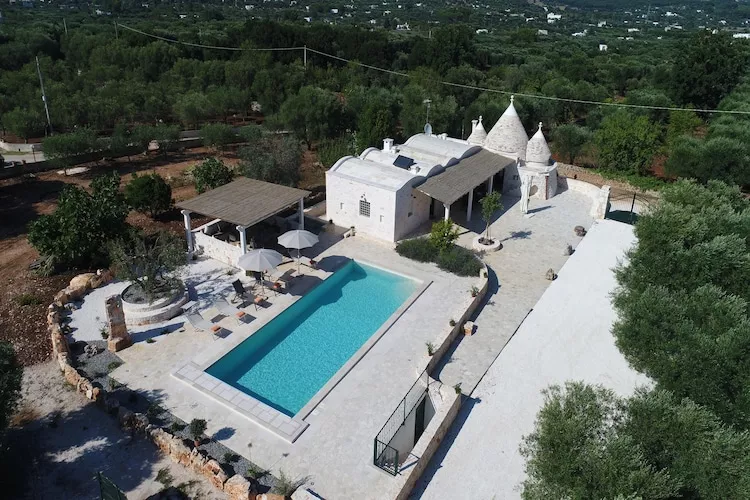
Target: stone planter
column 161, row 309
column 481, row 247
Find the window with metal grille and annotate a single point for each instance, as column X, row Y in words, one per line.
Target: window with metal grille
column 364, row 208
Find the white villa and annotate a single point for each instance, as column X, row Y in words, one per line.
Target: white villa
column 388, row 193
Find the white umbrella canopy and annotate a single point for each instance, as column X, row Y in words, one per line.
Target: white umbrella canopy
column 298, row 239
column 260, row 259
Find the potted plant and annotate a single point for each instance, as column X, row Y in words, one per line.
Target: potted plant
column 197, row 428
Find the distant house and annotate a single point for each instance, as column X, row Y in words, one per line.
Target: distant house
column 580, row 33
column 481, row 30
column 542, row 32
column 403, row 27
column 552, row 17
column 741, row 35
column 601, row 24
column 603, row 47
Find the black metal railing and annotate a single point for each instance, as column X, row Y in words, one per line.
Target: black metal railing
column 385, row 456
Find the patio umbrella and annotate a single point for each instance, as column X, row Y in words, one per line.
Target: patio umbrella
column 260, row 260
column 298, row 239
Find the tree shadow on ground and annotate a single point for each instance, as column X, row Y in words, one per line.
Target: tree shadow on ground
column 59, row 454
column 17, row 201
column 518, row 235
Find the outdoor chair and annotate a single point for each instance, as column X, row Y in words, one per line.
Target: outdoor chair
column 239, row 291
column 201, row 324
column 228, row 309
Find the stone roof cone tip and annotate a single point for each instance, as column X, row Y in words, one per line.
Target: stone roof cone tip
column 538, row 151
column 508, row 137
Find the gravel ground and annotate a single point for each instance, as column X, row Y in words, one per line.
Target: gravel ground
column 97, row 368
column 59, row 441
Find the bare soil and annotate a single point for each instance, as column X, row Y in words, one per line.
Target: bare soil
column 60, row 442
column 24, row 199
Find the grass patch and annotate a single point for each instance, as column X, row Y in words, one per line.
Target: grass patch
column 150, row 341
column 104, row 333
column 27, row 299
column 113, row 366
column 255, row 472
column 154, row 410
column 164, row 477
column 25, row 415
column 286, row 486
column 230, row 457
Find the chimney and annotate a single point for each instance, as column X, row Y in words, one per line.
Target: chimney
column 387, row 145
column 444, row 136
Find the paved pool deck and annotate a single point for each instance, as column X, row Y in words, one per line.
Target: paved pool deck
column 566, row 337
column 335, row 451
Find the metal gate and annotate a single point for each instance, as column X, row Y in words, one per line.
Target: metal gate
column 626, row 206
column 109, row 490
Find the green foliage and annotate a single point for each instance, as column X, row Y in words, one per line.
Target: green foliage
column 459, row 260
column 681, row 123
column 27, row 299
column 313, row 114
column 683, row 297
column 151, row 261
column 569, row 141
column 627, row 143
column 588, row 443
column 443, row 234
column 11, row 374
column 61, row 149
column 490, row 204
column 376, row 121
column 708, row 68
column 250, row 133
column 197, row 428
column 443, row 111
column 217, row 135
column 24, row 123
column 211, row 174
column 286, row 486
column 331, row 150
column 272, row 159
column 420, row 249
column 149, row 194
column 77, row 232
column 192, row 108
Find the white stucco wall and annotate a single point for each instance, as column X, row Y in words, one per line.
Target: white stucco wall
column 217, row 249
column 409, row 200
column 342, row 204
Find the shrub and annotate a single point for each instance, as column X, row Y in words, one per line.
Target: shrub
column 211, row 174
column 76, row 233
column 443, row 234
column 420, row 249
column 331, row 150
column 459, row 260
column 217, row 135
column 197, row 428
column 149, row 194
column 10, row 382
column 272, row 159
column 430, row 348
column 286, row 486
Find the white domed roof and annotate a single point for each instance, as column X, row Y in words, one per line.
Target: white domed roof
column 537, row 150
column 508, row 136
column 478, row 133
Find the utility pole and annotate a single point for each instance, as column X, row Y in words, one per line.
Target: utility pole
column 65, row 25
column 117, row 33
column 305, row 56
column 44, row 95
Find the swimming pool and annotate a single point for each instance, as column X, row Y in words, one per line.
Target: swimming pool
column 287, row 361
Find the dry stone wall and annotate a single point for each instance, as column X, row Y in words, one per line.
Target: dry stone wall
column 177, row 449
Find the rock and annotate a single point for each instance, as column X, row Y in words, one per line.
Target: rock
column 215, row 474
column 61, row 298
column 270, row 496
column 140, row 422
column 63, row 360
column 162, row 439
column 550, row 275
column 96, row 394
column 468, row 328
column 580, row 231
column 239, row 488
column 568, row 250
column 71, row 375
column 125, row 418
column 180, row 452
column 81, row 282
column 117, row 344
column 197, row 460
column 91, row 350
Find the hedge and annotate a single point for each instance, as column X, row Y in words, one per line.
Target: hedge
column 455, row 259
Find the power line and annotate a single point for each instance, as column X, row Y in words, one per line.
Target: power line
column 451, row 84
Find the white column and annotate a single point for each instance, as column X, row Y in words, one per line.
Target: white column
column 188, row 232
column 243, row 239
column 447, row 211
column 489, row 184
column 471, row 202
column 302, row 213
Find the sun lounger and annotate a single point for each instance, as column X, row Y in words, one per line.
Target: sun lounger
column 202, row 324
column 239, row 290
column 228, row 309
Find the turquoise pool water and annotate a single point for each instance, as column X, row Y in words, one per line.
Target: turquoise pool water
column 287, row 361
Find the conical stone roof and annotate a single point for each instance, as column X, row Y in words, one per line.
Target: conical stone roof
column 537, row 150
column 508, row 136
column 478, row 134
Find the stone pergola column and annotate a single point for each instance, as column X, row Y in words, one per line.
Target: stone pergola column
column 447, row 211
column 469, row 207
column 489, row 184
column 302, row 213
column 243, row 239
column 188, row 232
